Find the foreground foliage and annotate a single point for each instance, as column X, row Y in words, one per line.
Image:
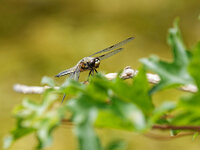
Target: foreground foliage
column 115, row 104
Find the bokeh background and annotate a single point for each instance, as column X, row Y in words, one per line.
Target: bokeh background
column 44, row 37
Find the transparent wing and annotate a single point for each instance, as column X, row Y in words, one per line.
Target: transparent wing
column 65, row 72
column 75, row 75
column 110, row 54
column 114, row 46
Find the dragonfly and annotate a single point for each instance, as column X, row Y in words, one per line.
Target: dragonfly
column 92, row 62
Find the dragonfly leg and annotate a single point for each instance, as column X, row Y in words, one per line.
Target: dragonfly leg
column 63, row 98
column 90, row 73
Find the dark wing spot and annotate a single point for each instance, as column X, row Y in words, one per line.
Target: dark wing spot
column 111, row 46
column 131, row 38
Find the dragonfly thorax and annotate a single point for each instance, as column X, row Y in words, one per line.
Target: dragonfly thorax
column 89, row 63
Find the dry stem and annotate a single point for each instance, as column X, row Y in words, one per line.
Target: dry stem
column 127, row 73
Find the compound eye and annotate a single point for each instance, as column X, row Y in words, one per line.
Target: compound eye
column 96, row 60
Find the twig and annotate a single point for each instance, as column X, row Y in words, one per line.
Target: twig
column 30, row 89
column 127, row 73
column 194, row 129
column 159, row 126
column 169, row 127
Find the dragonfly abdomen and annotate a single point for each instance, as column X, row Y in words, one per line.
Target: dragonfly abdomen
column 63, row 73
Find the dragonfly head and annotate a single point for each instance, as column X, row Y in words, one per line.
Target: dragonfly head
column 95, row 62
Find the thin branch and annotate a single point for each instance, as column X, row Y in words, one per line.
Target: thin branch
column 127, row 73
column 20, row 88
column 172, row 127
column 194, row 129
column 158, row 126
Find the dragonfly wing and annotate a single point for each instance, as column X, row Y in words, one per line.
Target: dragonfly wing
column 110, row 54
column 65, row 72
column 114, row 46
column 75, row 75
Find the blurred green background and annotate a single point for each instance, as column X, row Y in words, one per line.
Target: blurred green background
column 44, row 37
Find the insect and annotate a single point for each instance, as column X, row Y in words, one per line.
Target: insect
column 91, row 63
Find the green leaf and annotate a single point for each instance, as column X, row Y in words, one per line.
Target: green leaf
column 15, row 135
column 72, row 87
column 195, row 65
column 174, row 132
column 116, row 145
column 40, row 118
column 131, row 112
column 136, row 93
column 196, row 134
column 8, row 140
column 160, row 112
column 140, row 93
column 48, row 81
column 84, row 114
column 108, row 118
column 99, row 88
column 189, row 106
column 174, row 73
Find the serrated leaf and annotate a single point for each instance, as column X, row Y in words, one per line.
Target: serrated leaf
column 98, row 88
column 129, row 112
column 40, row 118
column 189, row 106
column 72, row 87
column 140, row 92
column 174, row 73
column 84, row 114
column 108, row 118
column 136, row 93
column 195, row 65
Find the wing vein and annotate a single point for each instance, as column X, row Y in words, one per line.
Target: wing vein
column 114, row 46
